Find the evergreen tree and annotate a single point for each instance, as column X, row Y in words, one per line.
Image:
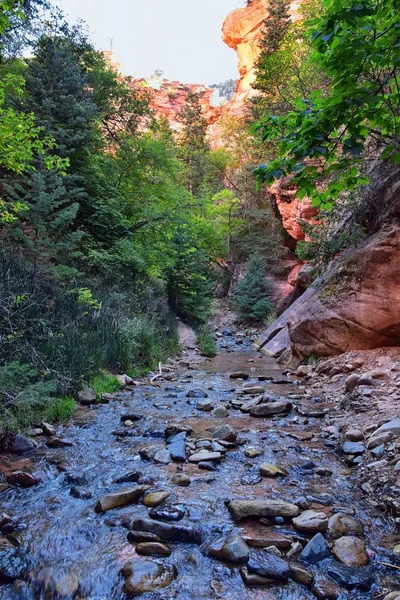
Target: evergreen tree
column 253, row 294
column 192, row 142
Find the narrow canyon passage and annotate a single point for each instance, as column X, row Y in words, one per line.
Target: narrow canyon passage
column 191, row 453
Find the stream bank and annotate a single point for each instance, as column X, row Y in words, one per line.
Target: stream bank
column 221, row 459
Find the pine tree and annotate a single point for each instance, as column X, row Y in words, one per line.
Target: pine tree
column 253, row 294
column 193, row 142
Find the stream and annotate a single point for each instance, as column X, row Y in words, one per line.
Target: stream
column 68, row 551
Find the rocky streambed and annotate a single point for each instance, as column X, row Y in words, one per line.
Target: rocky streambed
column 225, row 480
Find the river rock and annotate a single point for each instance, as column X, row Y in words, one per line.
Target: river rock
column 354, row 435
column 240, row 509
column 247, row 406
column 393, row 596
column 311, row 521
column 196, row 393
column 123, row 498
column 169, row 512
column 169, row 532
column 271, row 409
column 268, row 565
column 153, row 549
column 254, row 580
column 253, row 390
column 205, row 405
column 351, row 577
column 392, row 427
column 316, row 550
column 155, row 498
column 220, row 412
column 226, row 433
column 270, row 538
column 176, row 446
column 301, row 574
column 23, row 479
column 377, row 440
column 7, row 523
column 251, row 452
column 205, row 456
column 145, row 576
column 149, row 452
column 325, row 589
column 131, row 477
column 56, row 442
column 350, row 551
column 20, row 444
column 239, row 375
column 268, row 470
column 353, row 448
column 135, row 537
column 12, row 563
column 80, row 493
column 87, row 396
column 341, row 524
column 232, row 549
column 181, row 479
column 162, row 457
column 48, row 429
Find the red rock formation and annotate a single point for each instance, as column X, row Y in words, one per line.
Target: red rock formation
column 291, row 209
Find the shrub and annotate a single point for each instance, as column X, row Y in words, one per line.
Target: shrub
column 253, row 294
column 206, row 341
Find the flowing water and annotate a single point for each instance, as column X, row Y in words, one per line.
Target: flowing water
column 71, row 552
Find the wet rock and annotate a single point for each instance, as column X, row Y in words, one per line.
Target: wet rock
column 181, row 479
column 80, row 493
column 226, row 433
column 168, row 512
column 271, row 409
column 176, row 446
column 271, row 538
column 149, row 452
column 392, row 427
column 220, row 412
column 324, row 589
column 377, row 440
column 311, row 521
column 354, row 435
column 379, row 450
column 23, row 479
column 19, row 444
column 7, row 523
column 174, row 428
column 48, row 429
column 254, row 580
column 205, row 456
column 350, row 551
column 205, row 405
column 169, row 532
column 12, row 563
column 155, row 498
column 131, row 477
column 351, row 577
column 240, row 509
column 87, row 396
column 135, row 537
column 341, row 524
column 153, row 549
column 51, row 583
column 123, row 498
column 232, row 549
column 145, row 576
column 268, row 470
column 301, row 574
column 268, row 565
column 56, row 442
column 247, row 406
column 353, row 448
column 196, row 393
column 239, row 375
column 251, row 452
column 162, row 457
column 316, row 550
column 207, row 466
column 253, row 390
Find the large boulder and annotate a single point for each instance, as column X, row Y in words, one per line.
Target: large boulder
column 354, row 306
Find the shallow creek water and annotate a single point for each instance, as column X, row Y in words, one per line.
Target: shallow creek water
column 69, row 547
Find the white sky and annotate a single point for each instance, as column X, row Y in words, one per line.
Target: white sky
column 180, row 37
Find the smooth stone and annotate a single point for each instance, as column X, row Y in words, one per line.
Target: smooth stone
column 301, row 574
column 129, row 477
column 153, row 548
column 168, row 512
column 220, row 412
column 253, row 390
column 23, row 479
column 325, row 589
column 378, row 440
column 316, row 550
column 350, row 551
column 353, row 448
column 392, row 426
column 162, row 457
column 251, row 452
column 145, row 576
column 350, row 577
column 254, row 580
column 207, row 466
column 197, row 393
column 87, row 396
column 226, row 433
column 123, row 498
column 168, row 532
column 205, row 456
column 155, row 498
column 205, row 405
column 272, row 538
column 240, row 509
column 379, row 450
column 20, row 444
column 232, row 549
column 239, row 375
column 55, row 442
column 149, row 452
column 176, row 447
column 181, row 479
column 268, row 565
column 271, row 409
column 268, row 470
column 47, row 428
column 354, row 435
column 311, row 521
column 135, row 537
column 341, row 524
column 393, row 596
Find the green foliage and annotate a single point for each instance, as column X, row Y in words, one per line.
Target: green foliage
column 253, row 294
column 225, row 89
column 328, row 136
column 206, row 341
column 105, row 383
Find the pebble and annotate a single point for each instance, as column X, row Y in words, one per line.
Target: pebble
column 123, row 498
column 341, row 524
column 168, row 512
column 205, row 456
column 162, row 457
column 268, row 565
column 311, row 521
column 232, row 549
column 241, row 509
column 301, row 574
column 155, row 498
column 251, row 452
column 181, row 479
column 350, row 577
column 353, row 448
column 351, row 551
column 268, row 470
column 153, row 548
column 316, row 550
column 226, row 433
